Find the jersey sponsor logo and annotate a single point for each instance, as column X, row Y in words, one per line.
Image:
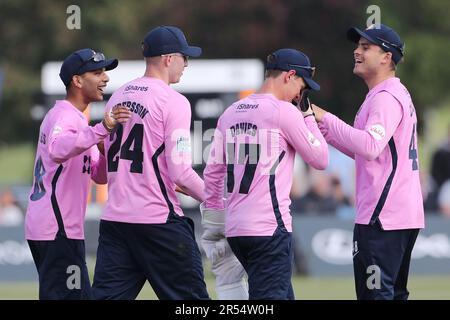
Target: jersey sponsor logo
column 377, row 131
column 313, row 140
column 183, row 144
column 247, row 106
column 135, row 88
column 56, row 130
column 243, row 128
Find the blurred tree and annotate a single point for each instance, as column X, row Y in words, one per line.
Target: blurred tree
column 33, row 32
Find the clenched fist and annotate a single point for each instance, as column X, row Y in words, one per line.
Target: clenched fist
column 118, row 114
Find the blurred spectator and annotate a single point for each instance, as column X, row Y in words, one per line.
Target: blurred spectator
column 343, row 168
column 10, row 213
column 300, row 183
column 444, row 199
column 440, row 163
column 345, row 208
column 429, row 192
column 338, row 191
column 321, row 197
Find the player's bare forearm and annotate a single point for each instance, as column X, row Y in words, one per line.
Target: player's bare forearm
column 319, row 112
column 118, row 114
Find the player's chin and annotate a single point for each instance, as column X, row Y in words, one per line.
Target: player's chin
column 357, row 70
column 98, row 97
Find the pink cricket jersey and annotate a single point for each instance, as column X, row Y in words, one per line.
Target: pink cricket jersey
column 383, row 143
column 66, row 159
column 149, row 154
column 253, row 148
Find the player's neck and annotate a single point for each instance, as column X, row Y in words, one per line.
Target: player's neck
column 77, row 101
column 157, row 73
column 375, row 80
column 270, row 87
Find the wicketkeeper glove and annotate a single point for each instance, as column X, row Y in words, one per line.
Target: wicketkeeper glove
column 229, row 273
column 213, row 221
column 304, row 104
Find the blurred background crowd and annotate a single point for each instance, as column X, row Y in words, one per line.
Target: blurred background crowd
column 35, row 32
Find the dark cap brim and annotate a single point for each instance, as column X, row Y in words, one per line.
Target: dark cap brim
column 354, row 34
column 192, row 51
column 312, row 84
column 107, row 64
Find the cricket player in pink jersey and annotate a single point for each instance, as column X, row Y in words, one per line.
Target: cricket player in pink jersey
column 383, row 142
column 143, row 232
column 66, row 159
column 254, row 146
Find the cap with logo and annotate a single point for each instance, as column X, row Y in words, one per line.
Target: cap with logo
column 291, row 59
column 82, row 61
column 381, row 35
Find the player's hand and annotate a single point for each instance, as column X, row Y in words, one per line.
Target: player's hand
column 302, row 102
column 318, row 112
column 213, row 222
column 118, row 114
column 215, row 245
column 230, row 282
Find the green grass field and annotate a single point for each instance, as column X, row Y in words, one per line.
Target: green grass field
column 422, row 288
column 16, row 164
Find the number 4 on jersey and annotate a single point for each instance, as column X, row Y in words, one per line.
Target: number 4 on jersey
column 134, row 140
column 413, row 149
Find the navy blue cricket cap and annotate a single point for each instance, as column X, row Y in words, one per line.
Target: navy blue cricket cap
column 82, row 61
column 167, row 39
column 291, row 59
column 383, row 36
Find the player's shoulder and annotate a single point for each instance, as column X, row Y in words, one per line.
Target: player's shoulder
column 136, row 85
column 175, row 96
column 118, row 94
column 287, row 107
column 63, row 109
column 393, row 88
column 233, row 109
column 288, row 112
column 62, row 115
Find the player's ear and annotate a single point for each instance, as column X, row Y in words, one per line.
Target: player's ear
column 387, row 58
column 288, row 75
column 77, row 81
column 167, row 59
